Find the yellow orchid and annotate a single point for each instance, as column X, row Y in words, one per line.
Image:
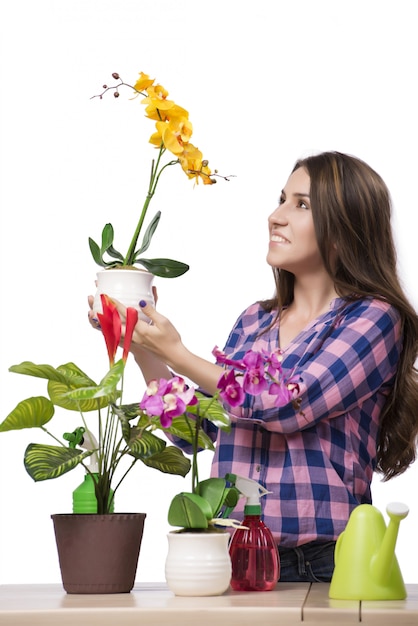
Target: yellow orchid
column 175, row 133
column 143, row 82
column 172, row 134
column 194, row 166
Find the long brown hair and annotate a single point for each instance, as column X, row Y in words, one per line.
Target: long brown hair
column 351, row 210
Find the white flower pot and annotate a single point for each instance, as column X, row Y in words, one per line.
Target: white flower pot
column 198, row 564
column 129, row 286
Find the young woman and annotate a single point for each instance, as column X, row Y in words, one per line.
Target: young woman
column 346, row 327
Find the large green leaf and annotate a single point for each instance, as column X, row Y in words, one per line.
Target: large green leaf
column 189, row 510
column 75, row 378
column 143, row 444
column 105, row 389
column 170, row 461
column 43, row 462
column 39, row 371
column 30, row 413
column 167, row 268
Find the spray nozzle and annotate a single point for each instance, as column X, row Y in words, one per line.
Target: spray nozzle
column 251, row 489
column 84, row 439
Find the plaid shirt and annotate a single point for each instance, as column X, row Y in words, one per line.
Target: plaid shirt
column 318, row 466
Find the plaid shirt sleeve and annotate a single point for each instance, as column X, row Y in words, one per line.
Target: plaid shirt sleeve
column 317, row 461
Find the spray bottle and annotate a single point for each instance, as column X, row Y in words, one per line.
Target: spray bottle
column 84, row 496
column 253, row 550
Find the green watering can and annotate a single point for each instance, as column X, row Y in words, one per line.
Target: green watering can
column 366, row 567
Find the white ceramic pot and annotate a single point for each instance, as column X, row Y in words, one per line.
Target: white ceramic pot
column 198, row 564
column 129, row 286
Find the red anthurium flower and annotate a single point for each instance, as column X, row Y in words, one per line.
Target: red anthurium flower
column 131, row 320
column 111, row 326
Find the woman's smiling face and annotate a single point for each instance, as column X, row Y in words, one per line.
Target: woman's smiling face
column 293, row 245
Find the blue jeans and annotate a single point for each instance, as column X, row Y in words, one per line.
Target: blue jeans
column 312, row 562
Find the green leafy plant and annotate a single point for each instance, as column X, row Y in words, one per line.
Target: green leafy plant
column 120, row 436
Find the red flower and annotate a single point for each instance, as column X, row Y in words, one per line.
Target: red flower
column 112, row 327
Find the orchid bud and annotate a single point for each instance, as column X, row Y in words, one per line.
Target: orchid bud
column 115, row 75
column 116, row 94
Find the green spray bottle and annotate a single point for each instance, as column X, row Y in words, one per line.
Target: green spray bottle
column 84, row 496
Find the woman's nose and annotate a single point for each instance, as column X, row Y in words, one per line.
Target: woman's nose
column 278, row 216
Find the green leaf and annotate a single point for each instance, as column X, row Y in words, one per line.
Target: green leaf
column 114, row 253
column 39, row 371
column 107, row 238
column 148, row 234
column 44, row 462
column 105, row 389
column 76, row 379
column 95, row 252
column 184, row 428
column 166, row 268
column 189, row 510
column 213, row 490
column 143, row 444
column 212, row 410
column 30, row 413
column 170, row 461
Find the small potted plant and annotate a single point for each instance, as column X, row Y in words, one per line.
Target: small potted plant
column 109, row 446
column 171, row 138
column 198, row 561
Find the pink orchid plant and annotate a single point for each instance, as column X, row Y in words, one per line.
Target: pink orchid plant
column 209, row 503
column 120, row 436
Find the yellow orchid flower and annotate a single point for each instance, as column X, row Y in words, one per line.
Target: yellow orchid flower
column 194, row 166
column 175, row 134
column 143, row 82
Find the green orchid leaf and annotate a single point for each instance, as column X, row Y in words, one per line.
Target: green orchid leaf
column 166, row 268
column 213, row 411
column 143, row 444
column 189, row 510
column 170, row 461
column 114, row 253
column 213, row 491
column 185, row 429
column 95, row 253
column 44, row 462
column 30, row 413
column 107, row 238
column 148, row 235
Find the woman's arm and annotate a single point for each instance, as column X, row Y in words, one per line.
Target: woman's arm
column 158, row 348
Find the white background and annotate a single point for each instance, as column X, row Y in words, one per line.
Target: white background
column 265, row 83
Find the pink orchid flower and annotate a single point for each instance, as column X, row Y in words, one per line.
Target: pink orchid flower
column 167, row 399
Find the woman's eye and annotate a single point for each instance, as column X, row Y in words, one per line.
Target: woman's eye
column 303, row 205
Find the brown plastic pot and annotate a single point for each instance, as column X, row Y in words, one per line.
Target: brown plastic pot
column 98, row 553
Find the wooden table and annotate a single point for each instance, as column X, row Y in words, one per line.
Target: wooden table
column 152, row 604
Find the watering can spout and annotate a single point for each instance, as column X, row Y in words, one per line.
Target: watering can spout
column 382, row 563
